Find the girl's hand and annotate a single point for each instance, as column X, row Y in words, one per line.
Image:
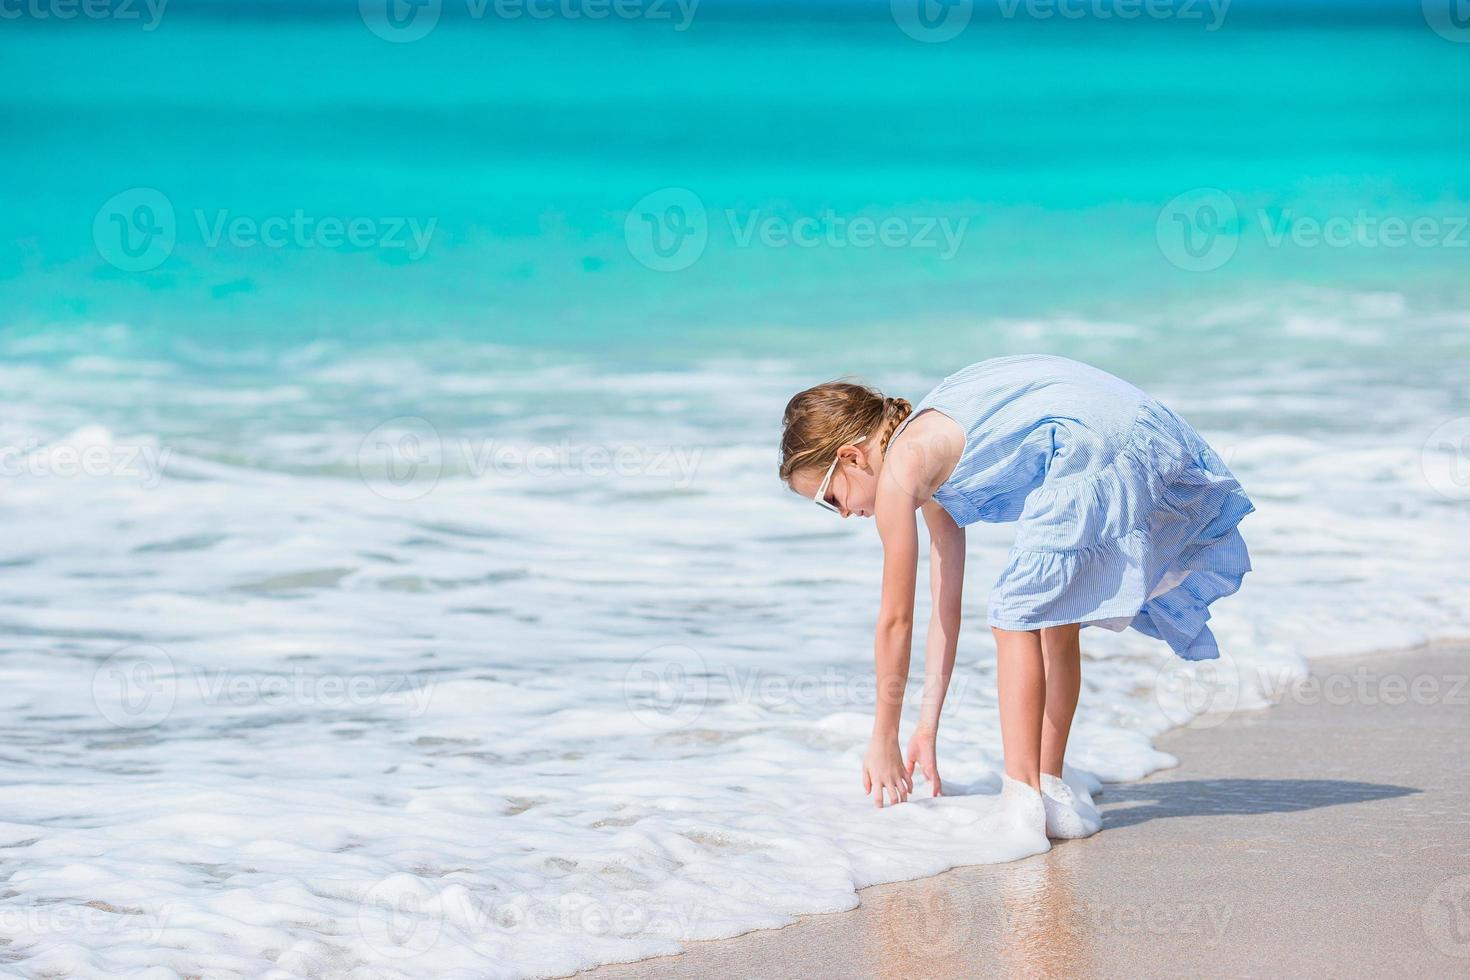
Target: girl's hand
column 883, row 770
column 921, row 752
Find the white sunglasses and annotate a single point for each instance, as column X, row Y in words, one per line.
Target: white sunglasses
column 821, row 496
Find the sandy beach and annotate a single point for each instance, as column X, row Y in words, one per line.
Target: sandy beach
column 1327, row 829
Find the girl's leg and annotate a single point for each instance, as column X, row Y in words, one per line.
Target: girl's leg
column 1061, row 654
column 1021, row 684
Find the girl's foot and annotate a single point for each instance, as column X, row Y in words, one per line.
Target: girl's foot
column 1023, row 809
column 1069, row 814
column 1083, row 795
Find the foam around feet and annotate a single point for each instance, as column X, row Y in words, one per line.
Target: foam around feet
column 1069, row 815
column 1024, row 810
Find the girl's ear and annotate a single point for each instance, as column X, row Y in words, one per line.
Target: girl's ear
column 853, row 453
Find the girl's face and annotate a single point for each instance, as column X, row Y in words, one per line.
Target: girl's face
column 854, row 486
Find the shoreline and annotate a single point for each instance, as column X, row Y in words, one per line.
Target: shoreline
column 1254, row 855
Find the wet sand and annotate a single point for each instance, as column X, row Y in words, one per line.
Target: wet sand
column 1328, row 834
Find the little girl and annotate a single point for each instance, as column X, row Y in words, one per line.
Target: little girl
column 1126, row 517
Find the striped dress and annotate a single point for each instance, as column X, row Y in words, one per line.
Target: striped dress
column 1126, row 517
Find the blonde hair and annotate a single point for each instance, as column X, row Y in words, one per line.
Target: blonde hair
column 823, row 419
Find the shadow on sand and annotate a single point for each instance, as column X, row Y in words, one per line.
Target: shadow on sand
column 1203, row 797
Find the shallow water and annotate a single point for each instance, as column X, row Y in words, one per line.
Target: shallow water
column 383, row 614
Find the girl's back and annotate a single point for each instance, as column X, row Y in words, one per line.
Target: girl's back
column 1028, row 419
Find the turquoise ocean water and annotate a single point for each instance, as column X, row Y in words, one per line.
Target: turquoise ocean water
column 518, row 434
column 526, row 143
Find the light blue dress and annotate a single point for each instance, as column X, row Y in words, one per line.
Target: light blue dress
column 1126, row 516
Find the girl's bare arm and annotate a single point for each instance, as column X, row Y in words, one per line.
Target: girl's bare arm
column 906, row 482
column 883, row 769
column 946, row 582
column 946, row 585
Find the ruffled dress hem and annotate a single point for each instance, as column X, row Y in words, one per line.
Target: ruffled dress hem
column 1181, row 549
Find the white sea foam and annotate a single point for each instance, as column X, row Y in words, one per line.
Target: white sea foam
column 296, row 708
